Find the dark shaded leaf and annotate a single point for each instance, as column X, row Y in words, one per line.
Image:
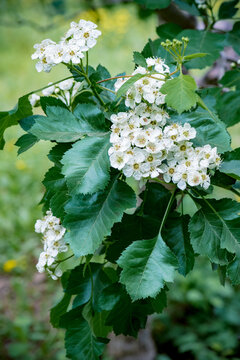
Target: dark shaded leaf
column 91, row 217
column 25, row 142
column 227, row 9
column 22, row 110
column 177, row 237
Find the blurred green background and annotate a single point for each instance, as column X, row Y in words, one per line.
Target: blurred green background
column 209, row 312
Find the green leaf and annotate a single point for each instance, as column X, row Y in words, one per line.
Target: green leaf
column 191, row 8
column 124, row 88
column 233, row 270
column 98, row 324
column 193, row 56
column 80, row 283
column 168, row 31
column 97, row 321
column 233, row 37
column 159, row 302
column 49, row 101
column 91, row 217
column 210, row 130
column 146, row 265
column 63, row 126
column 133, row 315
column 86, row 165
column 154, row 49
column 80, row 342
column 227, row 9
column 222, row 180
column 230, row 79
column 139, row 59
column 102, row 73
column 91, row 118
column 131, row 228
column 9, row 118
column 59, row 309
column 177, row 238
column 228, row 107
column 180, row 93
column 56, row 192
column 231, row 164
column 214, row 228
column 56, row 153
column 201, row 41
column 154, row 4
column 25, row 142
column 156, row 200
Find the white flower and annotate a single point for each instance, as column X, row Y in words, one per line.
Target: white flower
column 40, row 226
column 144, row 144
column 55, row 273
column 33, row 99
column 118, row 159
column 120, row 145
column 45, row 259
column 53, row 242
column 141, row 139
column 194, row 178
column 187, row 132
column 66, row 84
column 148, row 87
column 70, row 49
column 205, row 180
column 49, row 90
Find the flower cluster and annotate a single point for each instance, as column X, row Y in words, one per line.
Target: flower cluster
column 53, row 244
column 65, row 91
column 70, row 49
column 145, row 144
column 148, row 87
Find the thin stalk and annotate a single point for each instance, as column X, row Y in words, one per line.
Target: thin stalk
column 174, row 72
column 114, row 77
column 159, row 181
column 105, row 88
column 91, row 277
column 60, row 261
column 207, row 202
column 90, row 84
column 129, row 76
column 167, row 210
column 47, row 86
column 87, row 63
column 144, row 199
column 180, row 200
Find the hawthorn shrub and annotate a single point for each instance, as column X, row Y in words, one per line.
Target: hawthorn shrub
column 127, row 151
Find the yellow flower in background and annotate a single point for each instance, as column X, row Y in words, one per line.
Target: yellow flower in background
column 10, row 145
column 20, row 164
column 109, row 21
column 9, row 265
